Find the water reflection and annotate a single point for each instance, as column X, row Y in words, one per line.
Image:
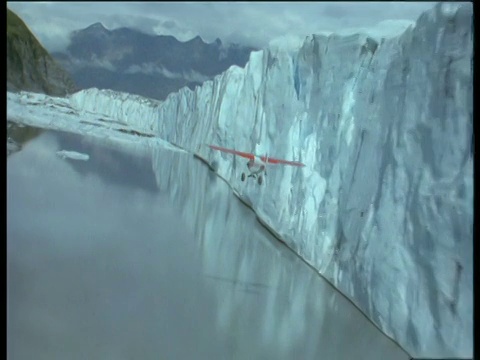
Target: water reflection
column 18, row 134
column 145, row 254
column 128, row 168
column 268, row 301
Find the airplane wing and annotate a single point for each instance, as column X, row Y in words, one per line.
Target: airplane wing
column 231, row 151
column 270, row 160
column 265, row 159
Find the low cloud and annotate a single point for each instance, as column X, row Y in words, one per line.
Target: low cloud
column 94, row 62
column 254, row 24
column 287, row 42
column 384, row 29
column 151, row 69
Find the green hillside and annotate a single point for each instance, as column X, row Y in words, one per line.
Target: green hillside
column 29, row 66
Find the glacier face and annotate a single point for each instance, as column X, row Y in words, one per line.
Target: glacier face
column 384, row 207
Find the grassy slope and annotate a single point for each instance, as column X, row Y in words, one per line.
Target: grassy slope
column 27, row 61
column 18, row 33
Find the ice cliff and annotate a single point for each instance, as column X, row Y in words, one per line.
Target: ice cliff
column 384, row 207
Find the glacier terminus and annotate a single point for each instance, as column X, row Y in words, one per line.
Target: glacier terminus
column 383, row 208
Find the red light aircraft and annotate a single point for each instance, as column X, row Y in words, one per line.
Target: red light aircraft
column 256, row 165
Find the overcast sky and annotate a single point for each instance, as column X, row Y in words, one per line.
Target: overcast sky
column 249, row 23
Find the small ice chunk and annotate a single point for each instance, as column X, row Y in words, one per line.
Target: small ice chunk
column 72, row 155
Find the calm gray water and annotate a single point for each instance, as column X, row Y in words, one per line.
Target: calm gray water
column 113, row 258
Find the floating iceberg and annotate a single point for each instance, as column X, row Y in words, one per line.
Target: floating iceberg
column 74, row 155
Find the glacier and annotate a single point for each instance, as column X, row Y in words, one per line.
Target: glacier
column 384, row 207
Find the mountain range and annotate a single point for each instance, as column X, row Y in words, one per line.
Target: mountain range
column 153, row 66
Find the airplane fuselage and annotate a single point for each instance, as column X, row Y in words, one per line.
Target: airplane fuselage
column 256, row 166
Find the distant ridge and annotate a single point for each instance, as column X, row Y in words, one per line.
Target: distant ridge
column 153, row 66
